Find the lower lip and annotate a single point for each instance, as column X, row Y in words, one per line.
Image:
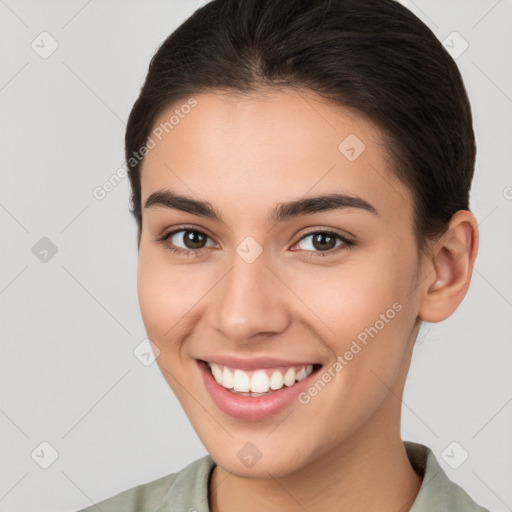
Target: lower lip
column 246, row 407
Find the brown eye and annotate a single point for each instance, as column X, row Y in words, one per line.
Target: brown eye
column 193, row 239
column 323, row 243
column 185, row 241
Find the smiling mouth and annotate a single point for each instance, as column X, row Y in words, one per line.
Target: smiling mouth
column 259, row 382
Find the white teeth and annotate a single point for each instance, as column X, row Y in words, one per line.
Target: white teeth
column 289, row 377
column 276, row 380
column 217, row 372
column 227, row 379
column 301, row 374
column 259, row 381
column 241, row 381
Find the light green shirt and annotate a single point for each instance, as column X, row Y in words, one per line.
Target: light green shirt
column 187, row 490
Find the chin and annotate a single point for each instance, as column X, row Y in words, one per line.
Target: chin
column 254, row 459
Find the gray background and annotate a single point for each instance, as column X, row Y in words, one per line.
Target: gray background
column 71, row 322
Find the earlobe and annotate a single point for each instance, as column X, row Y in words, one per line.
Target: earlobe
column 452, row 260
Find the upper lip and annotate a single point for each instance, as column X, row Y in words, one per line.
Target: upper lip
column 253, row 362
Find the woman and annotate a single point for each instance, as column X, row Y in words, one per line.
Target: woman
column 300, row 176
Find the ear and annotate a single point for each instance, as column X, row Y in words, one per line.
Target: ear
column 449, row 268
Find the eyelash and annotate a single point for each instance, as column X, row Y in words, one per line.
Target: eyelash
column 347, row 244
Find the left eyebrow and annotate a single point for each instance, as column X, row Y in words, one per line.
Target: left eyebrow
column 318, row 204
column 281, row 213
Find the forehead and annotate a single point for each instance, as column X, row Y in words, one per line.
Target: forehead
column 268, row 147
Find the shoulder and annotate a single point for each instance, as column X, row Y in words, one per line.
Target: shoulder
column 437, row 491
column 188, row 486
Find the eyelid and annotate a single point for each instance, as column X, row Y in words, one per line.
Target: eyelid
column 346, row 243
column 162, row 238
column 349, row 237
column 184, row 227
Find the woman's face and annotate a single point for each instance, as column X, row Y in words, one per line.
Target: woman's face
column 274, row 280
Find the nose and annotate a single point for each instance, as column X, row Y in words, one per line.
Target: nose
column 249, row 302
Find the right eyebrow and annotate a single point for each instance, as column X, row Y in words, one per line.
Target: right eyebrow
column 169, row 199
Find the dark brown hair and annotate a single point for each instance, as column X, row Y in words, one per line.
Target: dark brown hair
column 372, row 55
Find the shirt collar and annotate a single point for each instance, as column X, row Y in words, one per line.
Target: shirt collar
column 437, row 491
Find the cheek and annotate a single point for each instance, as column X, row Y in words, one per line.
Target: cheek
column 166, row 294
column 348, row 299
column 365, row 314
column 369, row 321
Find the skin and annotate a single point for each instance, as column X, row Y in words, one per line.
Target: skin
column 244, row 155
